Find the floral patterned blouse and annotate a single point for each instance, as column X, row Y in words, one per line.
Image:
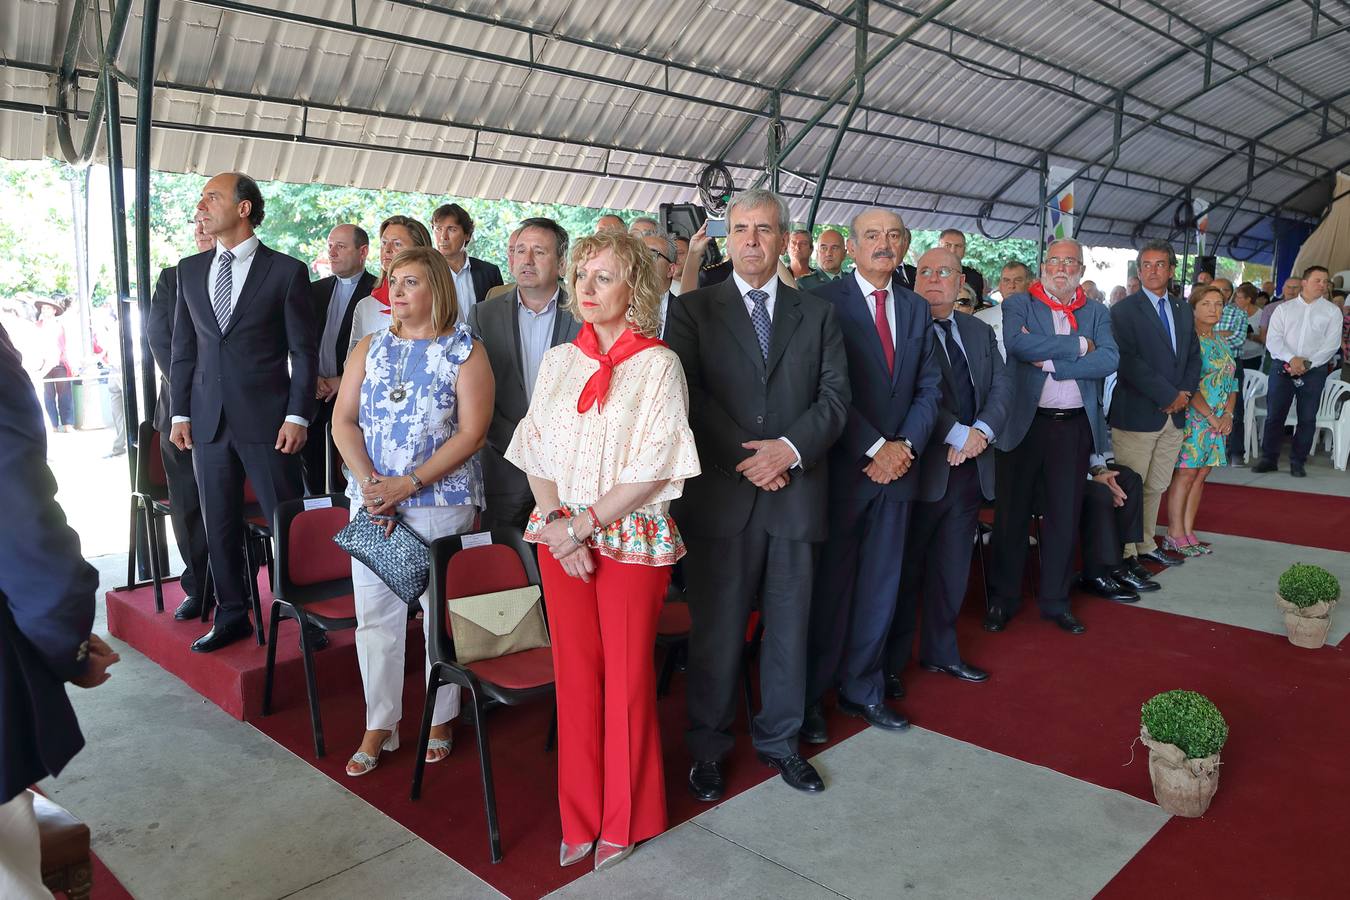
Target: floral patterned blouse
column 408, row 410
column 640, row 434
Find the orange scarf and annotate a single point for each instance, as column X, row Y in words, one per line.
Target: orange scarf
column 1038, row 291
column 630, row 343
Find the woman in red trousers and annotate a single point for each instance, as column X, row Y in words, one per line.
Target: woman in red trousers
column 606, row 445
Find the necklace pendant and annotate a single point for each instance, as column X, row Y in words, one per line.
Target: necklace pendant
column 398, row 393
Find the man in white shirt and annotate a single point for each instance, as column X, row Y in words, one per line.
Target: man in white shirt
column 1304, row 334
column 664, row 254
column 1012, row 280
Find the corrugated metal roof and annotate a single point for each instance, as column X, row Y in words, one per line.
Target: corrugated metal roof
column 610, row 103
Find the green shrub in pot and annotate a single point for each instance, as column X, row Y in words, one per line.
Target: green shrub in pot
column 1305, row 585
column 1188, row 720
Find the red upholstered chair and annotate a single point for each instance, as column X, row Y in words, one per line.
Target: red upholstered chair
column 313, row 586
column 510, row 680
column 149, row 509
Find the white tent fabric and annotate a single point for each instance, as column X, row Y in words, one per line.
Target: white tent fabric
column 1329, row 245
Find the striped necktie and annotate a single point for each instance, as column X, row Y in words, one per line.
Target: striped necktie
column 220, row 300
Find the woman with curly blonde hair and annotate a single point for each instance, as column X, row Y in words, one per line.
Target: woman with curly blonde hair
column 606, row 445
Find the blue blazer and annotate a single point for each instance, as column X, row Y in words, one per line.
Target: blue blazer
column 888, row 405
column 46, row 596
column 1029, row 336
column 1151, row 372
column 261, row 367
column 993, row 393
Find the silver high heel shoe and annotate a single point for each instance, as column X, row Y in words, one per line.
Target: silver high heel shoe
column 608, row 855
column 363, row 763
column 571, row 854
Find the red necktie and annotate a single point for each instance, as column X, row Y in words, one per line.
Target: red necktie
column 884, row 331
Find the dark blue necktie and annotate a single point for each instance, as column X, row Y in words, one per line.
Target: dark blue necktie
column 1162, row 314
column 965, row 387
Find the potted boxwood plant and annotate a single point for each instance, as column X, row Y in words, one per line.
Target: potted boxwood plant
column 1306, row 596
column 1184, row 733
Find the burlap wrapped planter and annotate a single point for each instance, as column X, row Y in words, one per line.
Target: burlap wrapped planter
column 1307, row 626
column 1182, row 787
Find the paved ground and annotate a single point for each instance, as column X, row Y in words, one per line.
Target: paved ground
column 186, row 802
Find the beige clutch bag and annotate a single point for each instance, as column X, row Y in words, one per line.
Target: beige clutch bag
column 486, row 626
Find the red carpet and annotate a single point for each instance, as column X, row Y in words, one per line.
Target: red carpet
column 1292, row 517
column 231, row 678
column 106, row 885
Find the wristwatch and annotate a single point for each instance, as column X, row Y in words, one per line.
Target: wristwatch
column 559, row 513
column 907, row 442
column 1098, row 470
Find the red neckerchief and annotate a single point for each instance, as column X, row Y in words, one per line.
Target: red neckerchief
column 381, row 293
column 1037, row 290
column 629, row 344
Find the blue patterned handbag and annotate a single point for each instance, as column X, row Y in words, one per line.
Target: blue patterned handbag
column 402, row 560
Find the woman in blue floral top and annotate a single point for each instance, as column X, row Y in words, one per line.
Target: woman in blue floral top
column 411, row 414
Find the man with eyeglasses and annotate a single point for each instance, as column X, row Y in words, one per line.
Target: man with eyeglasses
column 956, row 471
column 663, row 251
column 1060, row 350
column 873, row 477
column 1159, row 371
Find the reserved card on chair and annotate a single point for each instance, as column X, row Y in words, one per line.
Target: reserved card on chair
column 481, row 539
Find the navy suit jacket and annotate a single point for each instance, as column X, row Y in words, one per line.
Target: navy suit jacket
column 1029, row 336
column 993, row 399
column 262, row 367
column 802, row 393
column 46, row 596
column 159, row 329
column 885, row 404
column 1151, row 372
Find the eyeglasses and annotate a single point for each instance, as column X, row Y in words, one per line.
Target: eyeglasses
column 660, row 254
column 1063, row 262
column 941, row 272
column 1155, row 265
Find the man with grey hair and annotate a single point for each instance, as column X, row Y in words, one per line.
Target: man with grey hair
column 1060, row 351
column 1012, row 280
column 664, row 255
column 643, row 226
column 1159, row 371
column 799, row 253
column 768, row 397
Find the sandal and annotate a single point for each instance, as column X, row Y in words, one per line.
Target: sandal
column 1183, row 546
column 1195, row 542
column 438, row 748
column 363, row 763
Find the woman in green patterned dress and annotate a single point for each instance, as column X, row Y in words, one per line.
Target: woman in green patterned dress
column 1209, row 419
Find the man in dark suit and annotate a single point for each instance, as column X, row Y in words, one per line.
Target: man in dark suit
column 894, row 387
column 1159, row 371
column 1113, row 516
column 334, row 302
column 955, row 241
column 1060, row 351
column 46, row 613
column 956, row 471
column 243, row 378
column 664, row 253
column 451, row 230
column 768, row 397
column 185, row 506
column 517, row 328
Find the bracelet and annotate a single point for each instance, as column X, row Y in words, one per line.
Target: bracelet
column 417, row 482
column 573, row 535
column 559, row 513
column 596, row 527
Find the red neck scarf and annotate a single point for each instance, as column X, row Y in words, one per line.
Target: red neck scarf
column 381, row 293
column 1037, row 290
column 630, row 343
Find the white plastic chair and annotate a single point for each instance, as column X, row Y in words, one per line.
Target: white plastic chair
column 1333, row 417
column 1254, row 385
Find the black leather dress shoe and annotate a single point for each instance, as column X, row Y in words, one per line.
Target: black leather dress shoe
column 222, row 636
column 1165, row 558
column 995, row 620
column 1134, row 575
column 877, row 714
column 1297, row 470
column 895, row 688
column 1108, row 588
column 1265, row 465
column 190, row 608
column 797, row 772
column 706, row 782
column 814, row 730
column 962, row 670
column 1067, row 622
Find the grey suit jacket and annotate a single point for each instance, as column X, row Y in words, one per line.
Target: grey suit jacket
column 1029, row 336
column 802, row 393
column 993, row 398
column 496, row 324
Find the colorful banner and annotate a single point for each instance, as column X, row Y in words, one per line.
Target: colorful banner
column 1059, row 223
